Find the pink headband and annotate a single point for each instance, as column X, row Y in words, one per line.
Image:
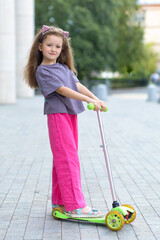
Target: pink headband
column 46, row 28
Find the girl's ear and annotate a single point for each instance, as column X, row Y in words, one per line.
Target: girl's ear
column 40, row 47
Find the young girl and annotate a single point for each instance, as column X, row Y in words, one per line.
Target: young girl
column 51, row 68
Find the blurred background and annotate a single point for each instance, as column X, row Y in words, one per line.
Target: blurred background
column 116, row 44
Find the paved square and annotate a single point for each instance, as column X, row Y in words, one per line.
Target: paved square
column 132, row 130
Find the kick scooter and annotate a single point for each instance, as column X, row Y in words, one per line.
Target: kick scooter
column 119, row 214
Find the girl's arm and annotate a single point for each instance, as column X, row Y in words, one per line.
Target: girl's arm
column 83, row 90
column 67, row 92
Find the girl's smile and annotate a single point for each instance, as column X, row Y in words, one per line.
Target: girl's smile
column 51, row 48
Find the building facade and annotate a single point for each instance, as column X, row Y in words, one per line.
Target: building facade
column 16, row 36
column 150, row 18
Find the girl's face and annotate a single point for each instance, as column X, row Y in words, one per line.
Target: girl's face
column 51, row 48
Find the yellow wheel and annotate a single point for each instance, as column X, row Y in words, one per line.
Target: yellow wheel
column 56, row 209
column 114, row 220
column 132, row 218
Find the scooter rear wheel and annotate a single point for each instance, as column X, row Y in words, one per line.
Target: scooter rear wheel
column 114, row 220
column 127, row 221
column 54, row 210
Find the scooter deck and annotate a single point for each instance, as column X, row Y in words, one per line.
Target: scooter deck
column 64, row 215
column 121, row 209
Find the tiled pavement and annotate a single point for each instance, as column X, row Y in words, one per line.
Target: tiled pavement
column 132, row 129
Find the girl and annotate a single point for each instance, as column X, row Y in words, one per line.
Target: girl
column 51, row 68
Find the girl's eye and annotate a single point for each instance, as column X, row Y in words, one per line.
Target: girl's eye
column 48, row 45
column 58, row 46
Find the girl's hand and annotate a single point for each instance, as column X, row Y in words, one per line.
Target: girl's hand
column 103, row 106
column 99, row 105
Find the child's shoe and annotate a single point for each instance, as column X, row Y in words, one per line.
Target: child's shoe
column 91, row 214
column 59, row 206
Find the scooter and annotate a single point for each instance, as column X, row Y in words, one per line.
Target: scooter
column 119, row 214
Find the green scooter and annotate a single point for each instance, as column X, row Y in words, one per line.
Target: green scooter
column 119, row 214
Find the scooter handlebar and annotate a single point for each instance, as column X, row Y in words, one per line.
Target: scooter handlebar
column 91, row 106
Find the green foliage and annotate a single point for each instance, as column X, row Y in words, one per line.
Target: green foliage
column 134, row 58
column 52, row 12
column 90, row 24
column 104, row 34
column 147, row 62
column 129, row 37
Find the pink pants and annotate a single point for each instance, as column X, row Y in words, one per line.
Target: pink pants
column 66, row 178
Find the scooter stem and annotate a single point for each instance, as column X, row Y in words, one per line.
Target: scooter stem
column 107, row 161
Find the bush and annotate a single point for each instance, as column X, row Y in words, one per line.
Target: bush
column 119, row 82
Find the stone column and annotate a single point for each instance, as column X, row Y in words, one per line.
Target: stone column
column 7, row 52
column 24, row 39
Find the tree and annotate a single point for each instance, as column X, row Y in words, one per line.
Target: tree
column 52, row 12
column 129, row 37
column 147, row 63
column 133, row 56
column 91, row 29
column 105, row 35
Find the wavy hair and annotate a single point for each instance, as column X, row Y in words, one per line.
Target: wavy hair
column 36, row 57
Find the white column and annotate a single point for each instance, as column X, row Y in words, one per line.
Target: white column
column 24, row 39
column 7, row 52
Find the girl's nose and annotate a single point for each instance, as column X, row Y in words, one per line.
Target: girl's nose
column 53, row 49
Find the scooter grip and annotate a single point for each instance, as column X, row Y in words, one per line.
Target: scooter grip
column 91, row 106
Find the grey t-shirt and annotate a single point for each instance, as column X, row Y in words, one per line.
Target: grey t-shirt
column 52, row 77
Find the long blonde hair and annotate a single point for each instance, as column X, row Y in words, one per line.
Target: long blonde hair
column 36, row 57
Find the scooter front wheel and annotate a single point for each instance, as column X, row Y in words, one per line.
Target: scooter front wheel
column 55, row 210
column 132, row 218
column 114, row 220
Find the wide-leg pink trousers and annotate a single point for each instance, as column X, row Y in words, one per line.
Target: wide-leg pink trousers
column 66, row 178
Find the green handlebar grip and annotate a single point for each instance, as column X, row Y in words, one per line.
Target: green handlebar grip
column 91, row 106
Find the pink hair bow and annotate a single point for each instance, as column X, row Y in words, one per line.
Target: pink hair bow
column 46, row 28
column 66, row 34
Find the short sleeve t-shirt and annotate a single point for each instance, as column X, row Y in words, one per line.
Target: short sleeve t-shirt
column 52, row 77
